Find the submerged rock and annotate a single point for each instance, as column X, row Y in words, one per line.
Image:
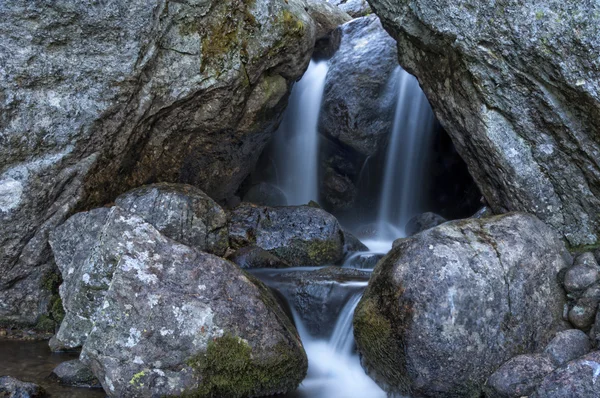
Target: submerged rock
column 445, row 308
column 181, row 212
column 578, row 378
column 175, row 320
column 299, row 235
column 76, row 374
column 519, row 377
column 101, row 97
column 517, row 86
column 13, row 388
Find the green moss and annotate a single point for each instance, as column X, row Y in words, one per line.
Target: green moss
column 135, row 380
column 321, row 251
column 228, row 368
column 45, row 324
column 291, row 23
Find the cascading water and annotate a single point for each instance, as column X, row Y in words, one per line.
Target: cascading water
column 297, row 139
column 403, row 186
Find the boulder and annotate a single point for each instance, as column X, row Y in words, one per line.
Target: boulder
column 76, row 374
column 517, row 89
column 265, row 194
column 13, row 388
column 519, row 377
column 567, row 346
column 445, row 308
column 98, row 98
column 326, row 16
column 299, row 235
column 254, row 257
column 578, row 378
column 352, row 244
column 174, row 320
column 181, row 212
column 582, row 275
column 422, row 222
column 583, row 313
column 355, row 8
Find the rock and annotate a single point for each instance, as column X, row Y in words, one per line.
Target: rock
column 254, row 257
column 338, row 190
column 514, row 85
column 317, row 296
column 583, row 313
column 580, row 277
column 175, row 321
column 445, row 308
column 483, row 213
column 363, row 260
column 352, row 244
column 326, row 16
column 13, row 388
column 265, row 194
column 519, row 376
column 356, row 8
column 567, row 346
column 181, row 212
column 76, row 374
column 299, row 235
column 358, row 107
column 99, row 98
column 422, row 222
column 576, row 379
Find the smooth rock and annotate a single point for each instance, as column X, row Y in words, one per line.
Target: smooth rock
column 580, row 277
column 178, row 321
column 181, row 212
column 76, row 374
column 583, row 313
column 519, row 376
column 326, row 16
column 577, row 378
column 422, row 222
column 445, row 308
column 254, row 257
column 265, row 194
column 13, row 388
column 567, row 346
column 517, row 86
column 299, row 235
column 352, row 244
column 356, row 8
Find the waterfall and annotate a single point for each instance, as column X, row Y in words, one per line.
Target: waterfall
column 297, row 140
column 404, row 174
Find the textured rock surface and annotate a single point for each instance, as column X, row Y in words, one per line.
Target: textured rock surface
column 74, row 373
column 175, row 319
column 13, row 388
column 180, row 212
column 98, row 98
column 445, row 308
column 326, row 16
column 422, row 222
column 519, row 376
column 356, row 8
column 254, row 257
column 567, row 346
column 517, row 85
column 578, row 378
column 299, row 235
column 265, row 194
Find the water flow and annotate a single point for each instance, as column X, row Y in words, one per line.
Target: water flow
column 403, row 184
column 297, row 140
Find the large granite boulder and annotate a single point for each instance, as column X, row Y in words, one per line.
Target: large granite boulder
column 97, row 98
column 174, row 320
column 517, row 86
column 578, row 378
column 181, row 212
column 299, row 235
column 446, row 307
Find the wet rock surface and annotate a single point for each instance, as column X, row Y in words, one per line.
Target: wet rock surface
column 13, row 388
column 299, row 235
column 254, row 257
column 76, row 374
column 521, row 108
column 445, row 308
column 101, row 98
column 519, row 376
column 577, row 378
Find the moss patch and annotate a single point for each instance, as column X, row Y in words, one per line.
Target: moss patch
column 229, row 368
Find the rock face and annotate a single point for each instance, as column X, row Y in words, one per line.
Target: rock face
column 170, row 319
column 326, row 16
column 181, row 212
column 445, row 308
column 96, row 99
column 299, row 235
column 576, row 379
column 517, row 85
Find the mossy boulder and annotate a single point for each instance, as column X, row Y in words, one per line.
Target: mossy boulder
column 299, row 235
column 446, row 307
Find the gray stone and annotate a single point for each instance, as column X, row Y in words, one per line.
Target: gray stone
column 100, row 97
column 567, row 346
column 265, row 194
column 13, row 388
column 254, row 257
column 326, row 16
column 356, row 8
column 445, row 308
column 176, row 321
column 422, row 222
column 517, row 86
column 76, row 374
column 363, row 260
column 181, row 212
column 519, row 376
column 580, row 277
column 583, row 313
column 352, row 244
column 299, row 235
column 578, row 379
